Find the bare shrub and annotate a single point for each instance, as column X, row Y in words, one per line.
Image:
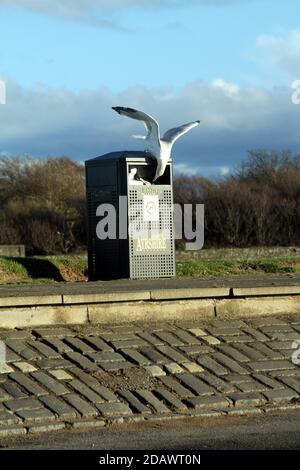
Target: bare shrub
column 43, row 201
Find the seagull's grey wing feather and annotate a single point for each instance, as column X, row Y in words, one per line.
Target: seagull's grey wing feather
column 173, row 134
column 150, row 123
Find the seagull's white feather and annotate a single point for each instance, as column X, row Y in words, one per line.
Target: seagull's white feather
column 159, row 148
column 173, row 134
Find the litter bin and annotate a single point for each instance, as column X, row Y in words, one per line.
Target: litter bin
column 140, row 244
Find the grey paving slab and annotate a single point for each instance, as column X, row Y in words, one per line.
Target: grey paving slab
column 210, row 364
column 129, row 343
column 281, row 395
column 85, row 391
column 169, row 338
column 252, row 353
column 58, row 345
column 59, row 407
column 269, row 381
column 231, row 364
column 57, row 332
column 233, row 352
column 114, row 409
column 105, row 356
column 154, row 402
column 20, row 347
column 23, row 404
column 186, row 337
column 81, row 405
column 173, row 384
column 252, row 386
column 8, row 418
column 247, row 399
column 63, row 376
column 12, row 431
column 79, row 345
column 170, row 399
column 116, row 365
column 50, row 383
column 82, row 361
column 54, row 364
column 44, row 349
column 255, row 333
column 218, row 383
column 46, row 427
column 263, row 366
column 196, row 349
column 98, row 344
column 30, row 385
column 267, row 352
column 154, row 355
column 41, row 414
column 214, row 402
column 135, row 356
column 14, row 390
column 135, row 404
column 172, row 353
column 4, row 395
column 292, row 383
column 195, row 384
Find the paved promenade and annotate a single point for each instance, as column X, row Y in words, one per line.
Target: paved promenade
column 131, row 286
column 128, row 301
column 86, row 376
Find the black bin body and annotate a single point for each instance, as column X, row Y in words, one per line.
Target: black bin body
column 107, row 178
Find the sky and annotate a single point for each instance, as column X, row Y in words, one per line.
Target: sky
column 228, row 63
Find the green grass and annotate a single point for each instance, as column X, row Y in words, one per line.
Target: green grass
column 52, row 269
column 207, row 268
column 43, row 269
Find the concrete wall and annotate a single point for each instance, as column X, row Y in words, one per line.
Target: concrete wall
column 12, row 250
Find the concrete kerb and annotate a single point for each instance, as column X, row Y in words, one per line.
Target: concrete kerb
column 148, row 305
column 105, row 297
column 30, row 300
column 265, row 291
column 22, row 317
column 191, row 293
column 256, row 306
column 152, row 311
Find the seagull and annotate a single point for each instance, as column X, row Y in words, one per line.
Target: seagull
column 159, row 147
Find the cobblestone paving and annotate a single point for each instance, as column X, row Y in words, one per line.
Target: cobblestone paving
column 85, row 376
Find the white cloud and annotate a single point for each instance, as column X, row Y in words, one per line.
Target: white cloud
column 282, row 50
column 186, row 169
column 43, row 121
column 205, row 170
column 230, row 89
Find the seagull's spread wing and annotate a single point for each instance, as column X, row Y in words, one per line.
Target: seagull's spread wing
column 173, row 134
column 150, row 123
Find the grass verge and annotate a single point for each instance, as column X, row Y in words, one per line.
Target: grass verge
column 52, row 269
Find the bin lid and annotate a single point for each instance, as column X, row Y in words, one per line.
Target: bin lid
column 128, row 155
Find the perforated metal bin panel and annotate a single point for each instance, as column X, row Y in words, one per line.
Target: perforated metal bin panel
column 151, row 242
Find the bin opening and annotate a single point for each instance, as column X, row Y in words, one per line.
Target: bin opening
column 139, row 172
